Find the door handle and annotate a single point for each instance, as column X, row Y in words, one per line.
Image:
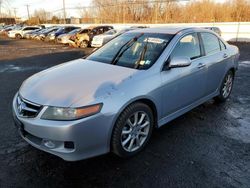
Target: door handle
column 201, row 65
column 225, row 56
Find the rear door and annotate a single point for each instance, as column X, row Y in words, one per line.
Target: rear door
column 185, row 85
column 215, row 59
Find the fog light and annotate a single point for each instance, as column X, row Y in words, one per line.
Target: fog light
column 69, row 145
column 49, row 144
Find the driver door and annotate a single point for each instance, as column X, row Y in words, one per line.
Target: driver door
column 183, row 86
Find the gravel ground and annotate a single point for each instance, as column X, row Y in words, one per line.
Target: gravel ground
column 207, row 147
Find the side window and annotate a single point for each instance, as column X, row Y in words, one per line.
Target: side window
column 30, row 28
column 211, row 43
column 94, row 31
column 188, row 46
column 106, row 29
column 100, row 30
column 222, row 45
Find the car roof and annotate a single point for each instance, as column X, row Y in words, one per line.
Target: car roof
column 164, row 30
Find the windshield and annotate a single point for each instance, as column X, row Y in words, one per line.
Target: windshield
column 110, row 32
column 133, row 50
column 74, row 31
column 84, row 31
column 60, row 29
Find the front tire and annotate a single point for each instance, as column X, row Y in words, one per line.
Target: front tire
column 18, row 36
column 84, row 44
column 132, row 130
column 226, row 87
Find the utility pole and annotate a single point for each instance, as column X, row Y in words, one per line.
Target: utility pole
column 28, row 11
column 0, row 8
column 64, row 11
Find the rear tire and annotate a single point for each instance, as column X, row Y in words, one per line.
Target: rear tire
column 132, row 130
column 226, row 87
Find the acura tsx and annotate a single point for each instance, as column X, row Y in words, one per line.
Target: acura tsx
column 112, row 100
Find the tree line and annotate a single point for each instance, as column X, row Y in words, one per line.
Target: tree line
column 154, row 11
column 170, row 11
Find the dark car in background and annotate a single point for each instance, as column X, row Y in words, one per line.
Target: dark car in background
column 44, row 35
column 65, row 38
column 31, row 34
column 83, row 40
column 62, row 30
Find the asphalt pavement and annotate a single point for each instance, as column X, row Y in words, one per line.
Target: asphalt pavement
column 207, row 147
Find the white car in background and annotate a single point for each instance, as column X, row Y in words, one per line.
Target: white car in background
column 19, row 33
column 100, row 40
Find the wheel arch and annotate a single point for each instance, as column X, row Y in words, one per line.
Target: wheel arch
column 149, row 102
column 18, row 34
column 233, row 69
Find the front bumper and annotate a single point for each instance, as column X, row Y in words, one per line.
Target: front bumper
column 89, row 136
column 97, row 42
column 50, row 38
column 96, row 45
column 62, row 41
column 12, row 35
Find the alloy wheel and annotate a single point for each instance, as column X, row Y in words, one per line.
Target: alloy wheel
column 84, row 44
column 135, row 131
column 227, row 86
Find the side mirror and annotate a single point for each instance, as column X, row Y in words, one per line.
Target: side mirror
column 176, row 62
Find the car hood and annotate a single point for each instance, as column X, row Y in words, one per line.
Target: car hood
column 66, row 35
column 14, row 31
column 79, row 80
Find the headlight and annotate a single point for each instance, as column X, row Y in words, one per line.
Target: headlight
column 58, row 113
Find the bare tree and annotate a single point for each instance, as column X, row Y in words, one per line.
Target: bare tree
column 42, row 15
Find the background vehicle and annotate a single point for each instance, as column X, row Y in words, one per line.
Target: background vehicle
column 48, row 34
column 65, row 38
column 19, row 32
column 102, row 39
column 83, row 40
column 31, row 34
column 142, row 80
column 215, row 29
column 8, row 28
column 62, row 30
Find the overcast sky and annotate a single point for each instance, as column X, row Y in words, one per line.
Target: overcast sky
column 49, row 5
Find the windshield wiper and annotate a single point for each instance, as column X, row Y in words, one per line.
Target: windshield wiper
column 128, row 44
column 137, row 64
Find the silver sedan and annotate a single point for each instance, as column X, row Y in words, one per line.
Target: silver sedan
column 113, row 99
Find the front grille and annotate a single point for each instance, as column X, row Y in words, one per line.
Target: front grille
column 26, row 108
